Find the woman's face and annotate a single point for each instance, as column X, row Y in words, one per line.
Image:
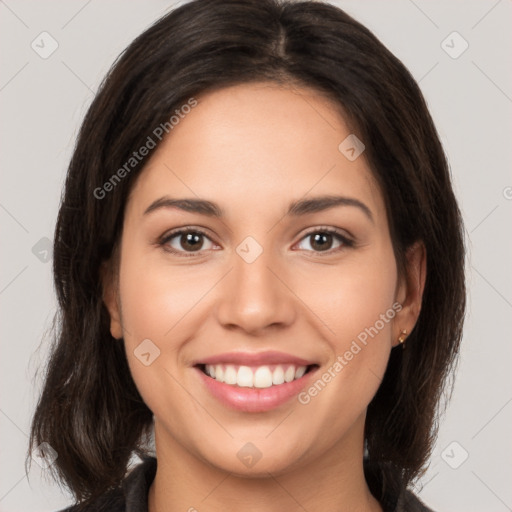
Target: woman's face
column 261, row 278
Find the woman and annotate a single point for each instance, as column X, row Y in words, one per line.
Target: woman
column 259, row 262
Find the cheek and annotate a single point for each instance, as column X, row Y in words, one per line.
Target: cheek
column 154, row 303
column 155, row 298
column 357, row 304
column 364, row 307
column 354, row 298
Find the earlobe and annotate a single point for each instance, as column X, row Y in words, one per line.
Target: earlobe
column 413, row 287
column 111, row 300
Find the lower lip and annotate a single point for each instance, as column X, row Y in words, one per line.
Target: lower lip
column 255, row 399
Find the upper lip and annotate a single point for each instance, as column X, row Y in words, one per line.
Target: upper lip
column 255, row 359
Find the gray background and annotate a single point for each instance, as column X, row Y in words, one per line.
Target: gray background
column 43, row 101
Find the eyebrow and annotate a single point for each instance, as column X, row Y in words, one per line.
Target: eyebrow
column 296, row 208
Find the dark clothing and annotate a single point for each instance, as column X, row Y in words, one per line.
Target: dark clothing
column 133, row 495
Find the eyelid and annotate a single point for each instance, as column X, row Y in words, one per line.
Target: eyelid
column 184, row 229
column 342, row 233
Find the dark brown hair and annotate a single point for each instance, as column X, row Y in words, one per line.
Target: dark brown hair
column 90, row 411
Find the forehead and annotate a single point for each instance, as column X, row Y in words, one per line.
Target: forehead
column 255, row 145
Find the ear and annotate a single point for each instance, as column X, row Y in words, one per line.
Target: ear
column 410, row 290
column 111, row 299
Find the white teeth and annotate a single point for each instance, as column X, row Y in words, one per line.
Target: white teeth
column 230, row 375
column 245, row 377
column 259, row 377
column 300, row 371
column 278, row 375
column 219, row 373
column 289, row 374
column 262, row 377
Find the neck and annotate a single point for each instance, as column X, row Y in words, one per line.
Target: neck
column 334, row 481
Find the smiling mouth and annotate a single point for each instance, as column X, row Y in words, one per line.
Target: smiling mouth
column 262, row 376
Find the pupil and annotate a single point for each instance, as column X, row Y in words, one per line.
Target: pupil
column 320, row 238
column 191, row 239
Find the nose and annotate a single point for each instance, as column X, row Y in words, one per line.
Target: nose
column 255, row 296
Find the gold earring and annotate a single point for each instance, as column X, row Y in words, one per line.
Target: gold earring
column 401, row 338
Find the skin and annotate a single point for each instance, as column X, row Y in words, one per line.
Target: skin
column 253, row 149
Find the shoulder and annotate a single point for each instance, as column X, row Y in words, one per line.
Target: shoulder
column 131, row 496
column 113, row 501
column 409, row 502
column 385, row 484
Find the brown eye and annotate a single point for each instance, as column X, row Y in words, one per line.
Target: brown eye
column 186, row 241
column 191, row 241
column 322, row 240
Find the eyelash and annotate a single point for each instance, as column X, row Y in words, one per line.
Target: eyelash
column 347, row 242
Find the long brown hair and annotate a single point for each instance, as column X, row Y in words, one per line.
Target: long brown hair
column 89, row 410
